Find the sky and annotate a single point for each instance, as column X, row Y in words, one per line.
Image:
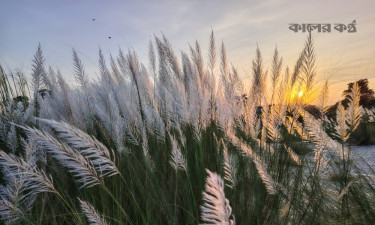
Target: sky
column 60, row 26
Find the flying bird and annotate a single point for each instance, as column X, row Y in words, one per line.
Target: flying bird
column 109, row 37
column 93, row 19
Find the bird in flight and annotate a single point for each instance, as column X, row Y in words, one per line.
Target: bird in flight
column 93, row 19
column 109, row 37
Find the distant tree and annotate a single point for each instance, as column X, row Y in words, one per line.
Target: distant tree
column 367, row 95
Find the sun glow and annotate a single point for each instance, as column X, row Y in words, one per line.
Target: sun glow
column 300, row 94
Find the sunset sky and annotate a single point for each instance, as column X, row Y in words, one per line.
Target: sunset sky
column 60, row 26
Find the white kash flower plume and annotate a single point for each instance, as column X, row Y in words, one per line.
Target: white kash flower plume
column 33, row 180
column 9, row 209
column 37, row 179
column 318, row 134
column 216, row 208
column 89, row 147
column 266, row 177
column 229, row 168
column 341, row 126
column 270, row 184
column 177, row 159
column 354, row 113
column 92, row 214
column 292, row 154
column 14, row 202
column 9, row 212
column 77, row 164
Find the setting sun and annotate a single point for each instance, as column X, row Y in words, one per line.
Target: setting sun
column 300, row 94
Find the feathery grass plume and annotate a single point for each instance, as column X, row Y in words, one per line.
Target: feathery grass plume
column 38, row 69
column 14, row 203
column 134, row 69
column 37, row 76
column 22, row 83
column 225, row 94
column 13, row 90
column 203, row 86
column 12, row 140
column 320, row 158
column 253, row 121
column 113, row 122
column 346, row 189
column 77, row 164
column 9, row 213
column 297, row 69
column 45, row 109
column 240, row 144
column 285, row 209
column 163, row 76
column 152, row 59
column 17, row 87
column 146, row 153
column 212, row 62
column 298, row 127
column 123, row 120
column 341, row 126
column 115, row 69
column 308, row 70
column 266, row 177
column 105, row 75
column 276, row 117
column 65, row 107
column 52, row 81
column 323, row 99
column 48, row 81
column 353, row 116
column 267, row 180
column 80, row 75
column 229, row 168
column 216, row 208
column 223, row 60
column 259, row 78
column 284, row 88
column 265, row 117
column 32, row 153
column 212, row 53
column 263, row 144
column 177, row 160
column 35, row 180
column 198, row 61
column 92, row 214
column 277, row 63
column 172, row 59
column 197, row 132
column 187, row 70
column 318, row 135
column 4, row 90
column 292, row 154
column 237, row 89
column 123, row 64
column 93, row 150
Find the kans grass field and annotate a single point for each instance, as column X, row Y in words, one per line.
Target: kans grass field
column 178, row 140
